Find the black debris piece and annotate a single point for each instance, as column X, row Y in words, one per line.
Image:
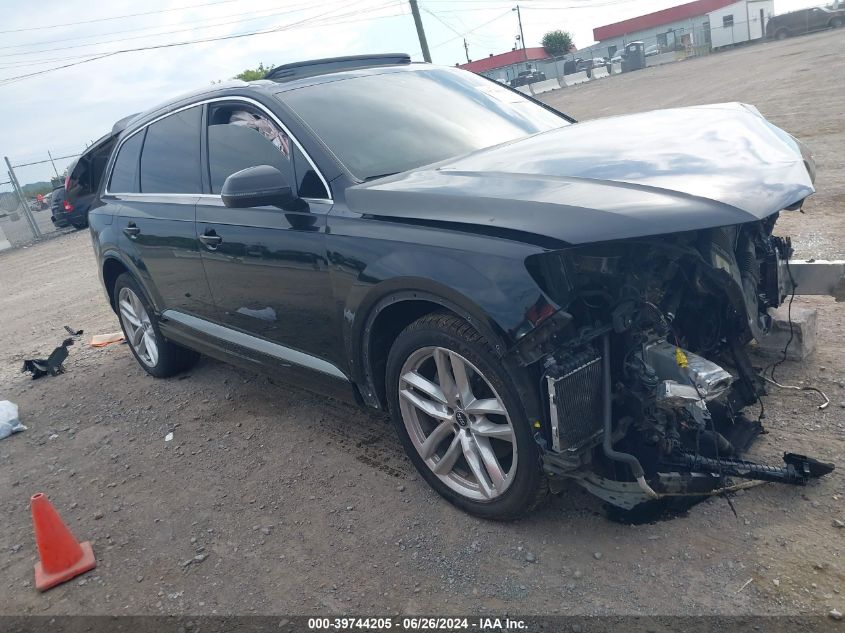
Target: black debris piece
column 40, row 367
column 73, row 332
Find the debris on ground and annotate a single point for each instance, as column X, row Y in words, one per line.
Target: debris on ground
column 52, row 365
column 101, row 340
column 73, row 332
column 9, row 422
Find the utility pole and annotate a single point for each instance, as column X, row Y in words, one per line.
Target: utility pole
column 36, row 232
column 521, row 34
column 54, row 164
column 420, row 31
column 466, row 49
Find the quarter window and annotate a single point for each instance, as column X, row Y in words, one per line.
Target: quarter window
column 170, row 161
column 124, row 176
column 308, row 183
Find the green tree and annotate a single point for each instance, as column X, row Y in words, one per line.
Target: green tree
column 557, row 43
column 252, row 74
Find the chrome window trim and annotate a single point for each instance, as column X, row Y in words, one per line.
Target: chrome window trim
column 248, row 100
column 255, row 343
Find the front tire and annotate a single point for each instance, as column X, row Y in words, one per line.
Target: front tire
column 457, row 413
column 158, row 356
column 781, row 34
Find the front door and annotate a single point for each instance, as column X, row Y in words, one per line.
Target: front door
column 756, row 21
column 267, row 266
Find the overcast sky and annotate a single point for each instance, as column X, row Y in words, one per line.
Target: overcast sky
column 64, row 109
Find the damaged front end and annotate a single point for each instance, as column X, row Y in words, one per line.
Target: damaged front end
column 645, row 367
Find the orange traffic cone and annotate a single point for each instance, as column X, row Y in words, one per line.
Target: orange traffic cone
column 62, row 556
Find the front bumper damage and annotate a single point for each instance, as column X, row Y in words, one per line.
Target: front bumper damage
column 584, row 420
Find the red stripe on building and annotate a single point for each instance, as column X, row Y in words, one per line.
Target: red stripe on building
column 658, row 18
column 505, row 59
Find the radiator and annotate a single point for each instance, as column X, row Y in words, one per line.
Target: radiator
column 575, row 393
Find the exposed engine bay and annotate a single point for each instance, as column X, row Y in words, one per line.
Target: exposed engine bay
column 645, row 366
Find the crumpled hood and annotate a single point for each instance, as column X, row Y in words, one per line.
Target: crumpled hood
column 629, row 176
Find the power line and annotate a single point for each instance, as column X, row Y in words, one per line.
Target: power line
column 443, row 22
column 498, row 17
column 117, row 17
column 93, row 55
column 9, row 80
column 150, row 28
column 137, row 37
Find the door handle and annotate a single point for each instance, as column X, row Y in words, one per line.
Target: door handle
column 132, row 231
column 211, row 240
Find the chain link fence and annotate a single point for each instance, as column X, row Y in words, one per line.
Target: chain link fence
column 25, row 210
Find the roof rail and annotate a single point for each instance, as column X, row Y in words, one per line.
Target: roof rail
column 299, row 70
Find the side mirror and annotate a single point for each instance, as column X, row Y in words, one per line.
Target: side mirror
column 258, row 186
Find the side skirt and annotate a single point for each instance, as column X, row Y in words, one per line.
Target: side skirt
column 257, row 354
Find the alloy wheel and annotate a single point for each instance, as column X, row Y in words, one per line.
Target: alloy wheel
column 139, row 330
column 458, row 423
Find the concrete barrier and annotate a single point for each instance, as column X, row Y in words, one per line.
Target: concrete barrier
column 4, row 243
column 524, row 90
column 600, row 72
column 662, row 58
column 575, row 78
column 616, row 68
column 548, row 85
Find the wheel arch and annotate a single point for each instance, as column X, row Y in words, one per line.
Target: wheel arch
column 391, row 311
column 112, row 268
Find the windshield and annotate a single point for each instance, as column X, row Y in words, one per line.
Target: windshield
column 391, row 122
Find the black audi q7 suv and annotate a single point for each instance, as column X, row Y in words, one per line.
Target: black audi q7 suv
column 532, row 300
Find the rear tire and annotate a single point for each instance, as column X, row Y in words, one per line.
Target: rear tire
column 467, row 434
column 835, row 23
column 156, row 355
column 782, row 34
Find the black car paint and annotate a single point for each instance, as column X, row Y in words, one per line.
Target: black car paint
column 363, row 253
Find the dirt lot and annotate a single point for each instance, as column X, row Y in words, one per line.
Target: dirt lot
column 303, row 505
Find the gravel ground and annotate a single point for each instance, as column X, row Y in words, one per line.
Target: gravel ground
column 271, row 500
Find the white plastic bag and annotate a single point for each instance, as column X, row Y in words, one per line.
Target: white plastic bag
column 9, row 422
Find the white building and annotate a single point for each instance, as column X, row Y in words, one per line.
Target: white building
column 743, row 21
column 695, row 26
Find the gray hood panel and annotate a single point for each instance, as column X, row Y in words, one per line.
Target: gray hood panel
column 631, row 176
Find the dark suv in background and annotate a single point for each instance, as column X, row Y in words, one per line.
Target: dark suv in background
column 804, row 21
column 531, row 300
column 71, row 203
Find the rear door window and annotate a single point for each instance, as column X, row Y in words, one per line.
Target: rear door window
column 170, row 161
column 124, row 175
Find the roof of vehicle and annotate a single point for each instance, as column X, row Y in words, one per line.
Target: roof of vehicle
column 286, row 77
column 305, row 74
column 311, row 68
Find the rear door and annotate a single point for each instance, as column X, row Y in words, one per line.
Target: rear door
column 158, row 182
column 267, row 266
